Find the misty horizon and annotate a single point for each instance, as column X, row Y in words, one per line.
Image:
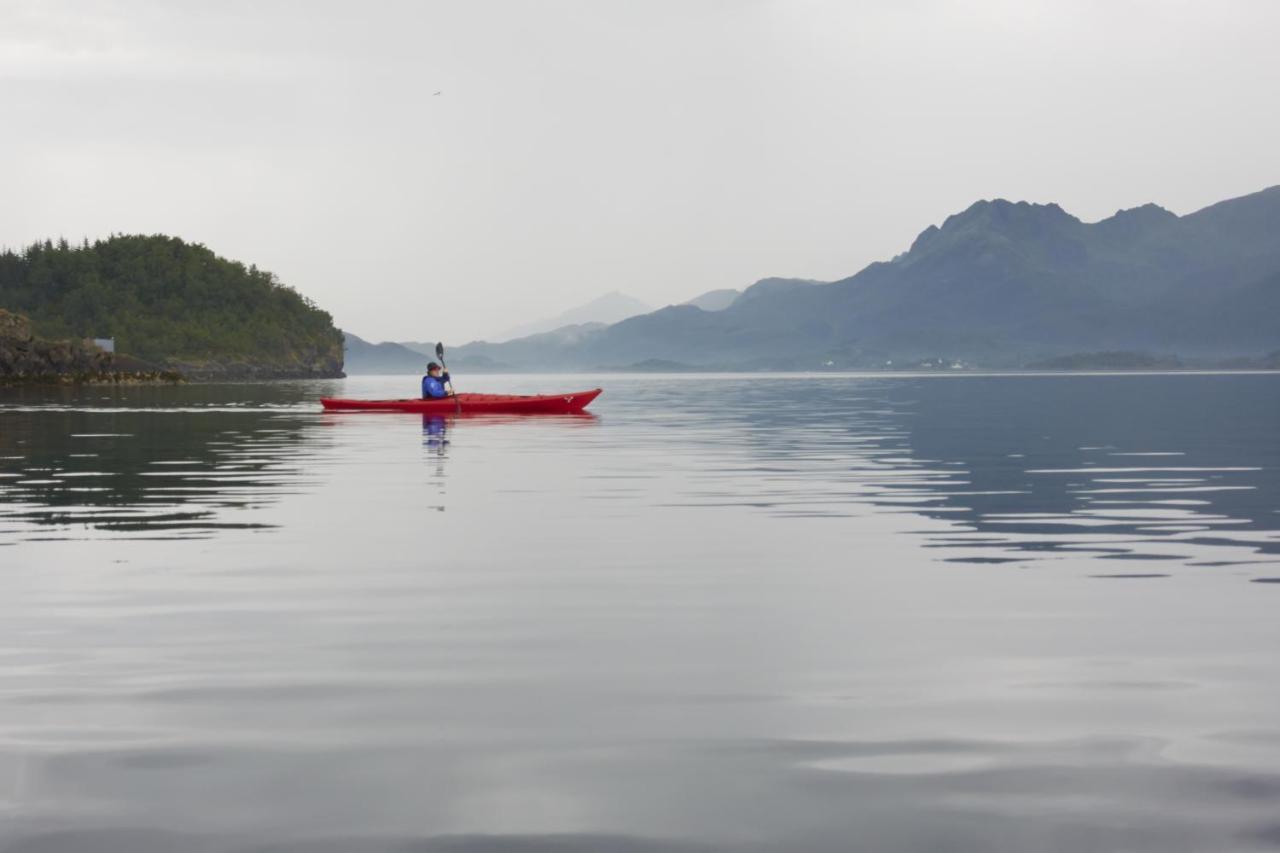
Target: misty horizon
column 577, row 148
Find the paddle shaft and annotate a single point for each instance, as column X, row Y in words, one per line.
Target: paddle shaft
column 457, row 404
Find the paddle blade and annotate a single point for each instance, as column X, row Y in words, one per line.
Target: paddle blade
column 439, row 350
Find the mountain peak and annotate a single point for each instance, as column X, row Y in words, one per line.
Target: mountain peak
column 1015, row 219
column 1134, row 221
column 1000, row 211
column 1150, row 209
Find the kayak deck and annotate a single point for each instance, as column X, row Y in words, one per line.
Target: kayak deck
column 507, row 404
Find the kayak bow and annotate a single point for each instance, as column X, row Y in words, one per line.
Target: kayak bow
column 504, row 404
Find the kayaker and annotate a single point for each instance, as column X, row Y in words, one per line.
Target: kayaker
column 433, row 383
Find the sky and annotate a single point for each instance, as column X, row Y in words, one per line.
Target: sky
column 660, row 149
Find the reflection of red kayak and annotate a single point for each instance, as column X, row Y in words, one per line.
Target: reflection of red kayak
column 506, row 404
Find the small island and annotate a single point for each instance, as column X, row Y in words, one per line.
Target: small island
column 154, row 307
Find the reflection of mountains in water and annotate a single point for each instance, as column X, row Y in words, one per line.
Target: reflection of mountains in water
column 1168, row 468
column 1121, row 468
column 163, row 472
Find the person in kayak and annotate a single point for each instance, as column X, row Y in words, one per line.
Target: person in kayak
column 433, row 384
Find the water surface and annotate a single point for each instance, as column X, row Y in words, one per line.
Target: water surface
column 721, row 613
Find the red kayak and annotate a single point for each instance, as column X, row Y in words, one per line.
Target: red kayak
column 498, row 404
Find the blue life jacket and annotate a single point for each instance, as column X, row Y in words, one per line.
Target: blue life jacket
column 433, row 388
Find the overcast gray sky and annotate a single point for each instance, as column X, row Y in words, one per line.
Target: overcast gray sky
column 658, row 148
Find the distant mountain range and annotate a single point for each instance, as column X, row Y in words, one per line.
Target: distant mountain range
column 365, row 357
column 362, row 356
column 1001, row 284
column 412, row 357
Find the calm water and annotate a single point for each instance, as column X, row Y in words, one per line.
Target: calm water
column 801, row 614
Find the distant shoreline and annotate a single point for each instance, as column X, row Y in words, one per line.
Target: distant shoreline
column 1197, row 371
column 115, row 377
column 152, row 377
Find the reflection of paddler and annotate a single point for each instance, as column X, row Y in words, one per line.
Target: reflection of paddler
column 434, row 430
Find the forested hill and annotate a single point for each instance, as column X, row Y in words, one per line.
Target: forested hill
column 173, row 305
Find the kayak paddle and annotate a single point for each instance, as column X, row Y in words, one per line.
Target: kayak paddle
column 440, row 355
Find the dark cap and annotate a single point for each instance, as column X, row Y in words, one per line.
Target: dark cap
column 432, row 366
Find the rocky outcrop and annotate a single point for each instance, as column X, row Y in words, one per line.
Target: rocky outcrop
column 25, row 358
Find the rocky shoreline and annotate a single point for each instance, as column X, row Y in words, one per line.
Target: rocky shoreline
column 26, row 359
column 103, row 377
column 241, row 372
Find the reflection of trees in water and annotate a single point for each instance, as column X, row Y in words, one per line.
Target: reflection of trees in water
column 162, row 470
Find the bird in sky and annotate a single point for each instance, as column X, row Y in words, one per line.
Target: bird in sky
column 433, row 94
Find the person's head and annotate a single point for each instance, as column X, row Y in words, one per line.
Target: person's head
column 433, row 369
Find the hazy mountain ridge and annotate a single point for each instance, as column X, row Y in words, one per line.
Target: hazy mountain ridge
column 412, row 357
column 363, row 356
column 612, row 307
column 715, row 300
column 1001, row 283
